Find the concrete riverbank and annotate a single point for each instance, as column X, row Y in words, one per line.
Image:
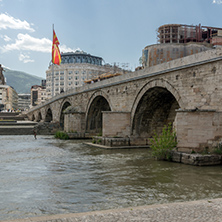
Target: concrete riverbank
column 198, row 211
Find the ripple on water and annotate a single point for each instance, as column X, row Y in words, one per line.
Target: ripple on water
column 49, row 176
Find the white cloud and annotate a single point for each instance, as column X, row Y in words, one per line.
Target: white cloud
column 25, row 42
column 6, row 38
column 9, row 22
column 217, row 2
column 25, row 58
column 64, row 49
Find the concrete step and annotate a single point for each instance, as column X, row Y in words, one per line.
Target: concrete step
column 17, row 128
column 12, row 130
column 17, row 123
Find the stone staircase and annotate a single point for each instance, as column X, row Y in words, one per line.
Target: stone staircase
column 15, row 124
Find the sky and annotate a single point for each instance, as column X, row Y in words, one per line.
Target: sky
column 116, row 30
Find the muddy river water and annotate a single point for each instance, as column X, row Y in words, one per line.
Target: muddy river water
column 49, row 176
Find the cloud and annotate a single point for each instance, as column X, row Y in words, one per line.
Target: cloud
column 6, row 38
column 64, row 49
column 25, row 42
column 25, row 58
column 9, row 22
column 217, row 2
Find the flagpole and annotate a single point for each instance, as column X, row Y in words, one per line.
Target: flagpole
column 52, row 65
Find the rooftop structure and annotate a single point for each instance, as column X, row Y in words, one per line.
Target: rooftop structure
column 177, row 41
column 80, row 57
column 178, row 33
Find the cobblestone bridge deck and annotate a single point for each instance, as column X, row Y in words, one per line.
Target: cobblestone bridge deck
column 199, row 211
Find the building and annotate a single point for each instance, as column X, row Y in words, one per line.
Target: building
column 8, row 98
column 24, row 101
column 75, row 68
column 38, row 95
column 177, row 41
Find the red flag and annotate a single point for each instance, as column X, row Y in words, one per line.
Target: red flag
column 55, row 39
column 56, row 56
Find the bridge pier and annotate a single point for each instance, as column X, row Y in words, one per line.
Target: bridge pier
column 116, row 124
column 74, row 122
column 199, row 130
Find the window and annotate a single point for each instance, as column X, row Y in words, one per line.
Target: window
column 70, row 72
column 61, row 73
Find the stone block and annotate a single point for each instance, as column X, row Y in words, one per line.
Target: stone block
column 200, row 160
column 176, row 156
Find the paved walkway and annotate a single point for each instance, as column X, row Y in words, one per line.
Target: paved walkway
column 198, row 211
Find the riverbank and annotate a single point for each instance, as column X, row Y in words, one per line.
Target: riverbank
column 201, row 211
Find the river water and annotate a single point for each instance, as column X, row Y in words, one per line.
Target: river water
column 49, row 176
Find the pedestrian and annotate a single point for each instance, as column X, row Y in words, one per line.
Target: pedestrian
column 34, row 132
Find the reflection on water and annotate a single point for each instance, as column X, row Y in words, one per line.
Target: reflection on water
column 49, row 176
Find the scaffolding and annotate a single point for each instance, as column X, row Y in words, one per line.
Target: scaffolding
column 178, row 33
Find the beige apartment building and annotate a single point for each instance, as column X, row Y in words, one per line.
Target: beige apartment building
column 8, row 98
column 75, row 68
column 38, row 95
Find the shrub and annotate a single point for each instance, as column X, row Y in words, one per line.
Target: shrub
column 218, row 149
column 100, row 133
column 162, row 144
column 61, row 135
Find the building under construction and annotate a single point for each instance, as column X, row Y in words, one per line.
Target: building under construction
column 177, row 33
column 177, row 40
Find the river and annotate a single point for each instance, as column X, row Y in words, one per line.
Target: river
column 50, row 176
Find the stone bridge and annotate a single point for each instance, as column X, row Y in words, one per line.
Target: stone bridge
column 186, row 92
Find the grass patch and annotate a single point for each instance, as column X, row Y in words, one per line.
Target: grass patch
column 61, row 135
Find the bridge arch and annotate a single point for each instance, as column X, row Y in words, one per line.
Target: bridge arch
column 33, row 117
column 39, row 117
column 154, row 107
column 98, row 102
column 48, row 116
column 65, row 104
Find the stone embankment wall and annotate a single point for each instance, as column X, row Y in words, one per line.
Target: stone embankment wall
column 46, row 128
column 196, row 159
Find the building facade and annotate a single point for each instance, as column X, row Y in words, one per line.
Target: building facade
column 24, row 101
column 177, row 41
column 38, row 95
column 75, row 68
column 8, row 98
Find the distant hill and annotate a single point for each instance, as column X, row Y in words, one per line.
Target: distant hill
column 21, row 81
